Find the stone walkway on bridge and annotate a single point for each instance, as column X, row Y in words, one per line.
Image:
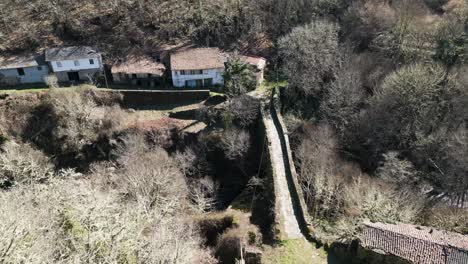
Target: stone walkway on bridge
column 288, row 221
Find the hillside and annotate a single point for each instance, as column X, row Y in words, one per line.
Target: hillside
column 370, row 130
column 120, row 26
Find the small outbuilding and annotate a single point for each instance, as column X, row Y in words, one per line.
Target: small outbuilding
column 140, row 71
column 415, row 244
column 258, row 64
column 23, row 70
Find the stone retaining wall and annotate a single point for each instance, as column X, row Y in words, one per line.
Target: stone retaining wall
column 153, row 97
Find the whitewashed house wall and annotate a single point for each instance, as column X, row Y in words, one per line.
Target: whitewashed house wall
column 215, row 74
column 83, row 64
column 84, row 68
column 34, row 74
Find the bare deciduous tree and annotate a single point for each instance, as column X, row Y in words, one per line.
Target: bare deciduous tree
column 235, row 143
column 203, row 194
column 343, row 97
column 150, row 176
column 71, row 221
column 310, row 55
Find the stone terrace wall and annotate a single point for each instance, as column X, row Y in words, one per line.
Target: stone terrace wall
column 153, row 97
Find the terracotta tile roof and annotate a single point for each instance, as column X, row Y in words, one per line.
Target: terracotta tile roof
column 197, row 59
column 70, row 53
column 256, row 61
column 416, row 244
column 21, row 61
column 139, row 65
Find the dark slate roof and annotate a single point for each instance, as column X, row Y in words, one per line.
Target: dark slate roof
column 21, row 61
column 70, row 53
column 415, row 243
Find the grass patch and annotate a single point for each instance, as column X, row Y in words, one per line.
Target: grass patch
column 33, row 90
column 295, row 252
column 216, row 93
column 267, row 85
column 41, row 88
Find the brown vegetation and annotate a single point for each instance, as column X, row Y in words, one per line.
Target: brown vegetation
column 337, row 192
column 380, row 130
column 132, row 204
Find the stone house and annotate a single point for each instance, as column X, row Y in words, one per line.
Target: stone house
column 140, row 71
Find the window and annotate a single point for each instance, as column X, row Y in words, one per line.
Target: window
column 91, row 61
column 208, row 82
column 20, row 71
column 134, row 76
column 191, row 72
column 59, row 64
column 77, row 63
column 150, row 75
column 39, row 68
column 191, row 83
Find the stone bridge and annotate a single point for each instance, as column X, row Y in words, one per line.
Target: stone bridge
column 290, row 207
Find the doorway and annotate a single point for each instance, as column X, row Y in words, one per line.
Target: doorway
column 73, row 76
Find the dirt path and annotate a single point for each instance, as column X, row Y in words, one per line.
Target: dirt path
column 284, row 201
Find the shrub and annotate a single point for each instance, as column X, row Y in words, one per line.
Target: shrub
column 228, row 248
column 104, row 98
column 70, row 126
column 410, row 104
column 334, row 7
column 436, row 5
column 443, row 157
column 244, row 110
column 448, row 218
column 452, row 40
column 150, row 176
column 238, row 77
column 213, row 225
column 51, row 81
column 22, row 164
column 367, row 198
column 365, row 20
column 339, row 196
column 397, row 170
column 410, row 38
column 16, row 113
